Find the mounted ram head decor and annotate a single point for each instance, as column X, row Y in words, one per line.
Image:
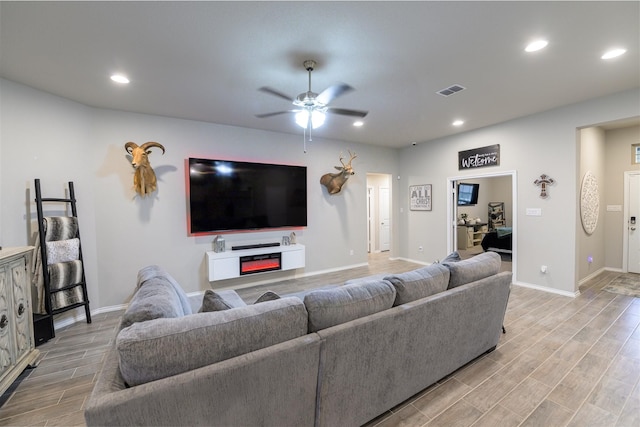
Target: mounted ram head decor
column 144, row 178
column 335, row 181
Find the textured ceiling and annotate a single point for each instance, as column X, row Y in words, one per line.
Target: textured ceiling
column 206, row 60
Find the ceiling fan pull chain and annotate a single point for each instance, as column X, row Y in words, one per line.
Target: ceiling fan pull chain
column 304, row 139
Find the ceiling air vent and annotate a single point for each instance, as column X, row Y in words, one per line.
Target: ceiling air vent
column 448, row 91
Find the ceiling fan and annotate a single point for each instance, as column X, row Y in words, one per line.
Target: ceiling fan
column 311, row 107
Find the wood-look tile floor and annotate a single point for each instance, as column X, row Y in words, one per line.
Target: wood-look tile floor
column 563, row 362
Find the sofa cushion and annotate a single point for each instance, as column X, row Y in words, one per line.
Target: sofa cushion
column 164, row 347
column 329, row 307
column 221, row 300
column 155, row 298
column 469, row 270
column 419, row 283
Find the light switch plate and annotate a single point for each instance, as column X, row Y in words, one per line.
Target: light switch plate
column 534, row 212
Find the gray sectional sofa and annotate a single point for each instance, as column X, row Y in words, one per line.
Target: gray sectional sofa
column 336, row 356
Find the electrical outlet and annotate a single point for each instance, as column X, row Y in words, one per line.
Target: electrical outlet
column 543, row 269
column 420, row 248
column 351, row 252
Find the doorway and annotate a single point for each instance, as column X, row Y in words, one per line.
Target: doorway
column 631, row 235
column 378, row 212
column 496, row 207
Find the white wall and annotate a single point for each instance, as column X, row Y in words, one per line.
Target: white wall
column 617, row 161
column 533, row 145
column 591, row 159
column 47, row 137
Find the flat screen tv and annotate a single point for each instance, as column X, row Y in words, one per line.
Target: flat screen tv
column 227, row 195
column 468, row 194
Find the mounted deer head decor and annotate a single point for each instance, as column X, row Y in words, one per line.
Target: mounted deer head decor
column 144, row 178
column 335, row 181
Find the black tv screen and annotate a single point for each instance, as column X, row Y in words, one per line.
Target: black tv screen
column 468, row 194
column 227, row 195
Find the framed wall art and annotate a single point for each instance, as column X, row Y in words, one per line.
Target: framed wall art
column 420, row 197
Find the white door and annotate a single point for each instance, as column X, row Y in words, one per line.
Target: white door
column 633, row 224
column 385, row 221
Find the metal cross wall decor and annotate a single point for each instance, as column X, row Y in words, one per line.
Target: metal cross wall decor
column 543, row 181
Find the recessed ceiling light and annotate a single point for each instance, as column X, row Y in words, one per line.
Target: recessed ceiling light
column 458, row 123
column 613, row 53
column 536, row 45
column 120, row 78
column 358, row 123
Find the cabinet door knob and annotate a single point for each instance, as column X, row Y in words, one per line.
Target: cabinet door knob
column 20, row 309
column 3, row 321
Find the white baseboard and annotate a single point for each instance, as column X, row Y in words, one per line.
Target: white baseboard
column 594, row 274
column 547, row 289
column 78, row 315
column 415, row 261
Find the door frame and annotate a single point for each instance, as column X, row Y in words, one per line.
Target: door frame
column 625, row 220
column 452, row 221
column 371, row 235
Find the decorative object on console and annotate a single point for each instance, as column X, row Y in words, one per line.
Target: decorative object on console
column 292, row 237
column 311, row 108
column 286, row 240
column 335, row 181
column 144, row 178
column 218, row 244
column 420, row 197
column 543, row 181
column 589, row 202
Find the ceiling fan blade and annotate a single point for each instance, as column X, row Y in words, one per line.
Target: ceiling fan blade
column 276, row 93
column 333, row 92
column 346, row 112
column 262, row 116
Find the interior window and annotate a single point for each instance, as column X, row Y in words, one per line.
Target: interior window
column 635, row 154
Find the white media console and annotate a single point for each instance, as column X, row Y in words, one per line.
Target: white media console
column 235, row 263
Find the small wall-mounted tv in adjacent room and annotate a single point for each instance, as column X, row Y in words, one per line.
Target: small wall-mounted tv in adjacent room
column 226, row 195
column 468, row 194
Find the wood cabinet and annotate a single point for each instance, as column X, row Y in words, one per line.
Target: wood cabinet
column 17, row 349
column 471, row 235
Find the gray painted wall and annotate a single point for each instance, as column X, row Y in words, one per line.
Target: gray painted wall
column 57, row 140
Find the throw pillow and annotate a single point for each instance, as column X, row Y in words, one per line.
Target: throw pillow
column 452, row 257
column 267, row 296
column 63, row 251
column 419, row 283
column 218, row 301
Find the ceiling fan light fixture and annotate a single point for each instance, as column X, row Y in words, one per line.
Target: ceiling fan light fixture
column 317, row 118
column 313, row 118
column 302, row 119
